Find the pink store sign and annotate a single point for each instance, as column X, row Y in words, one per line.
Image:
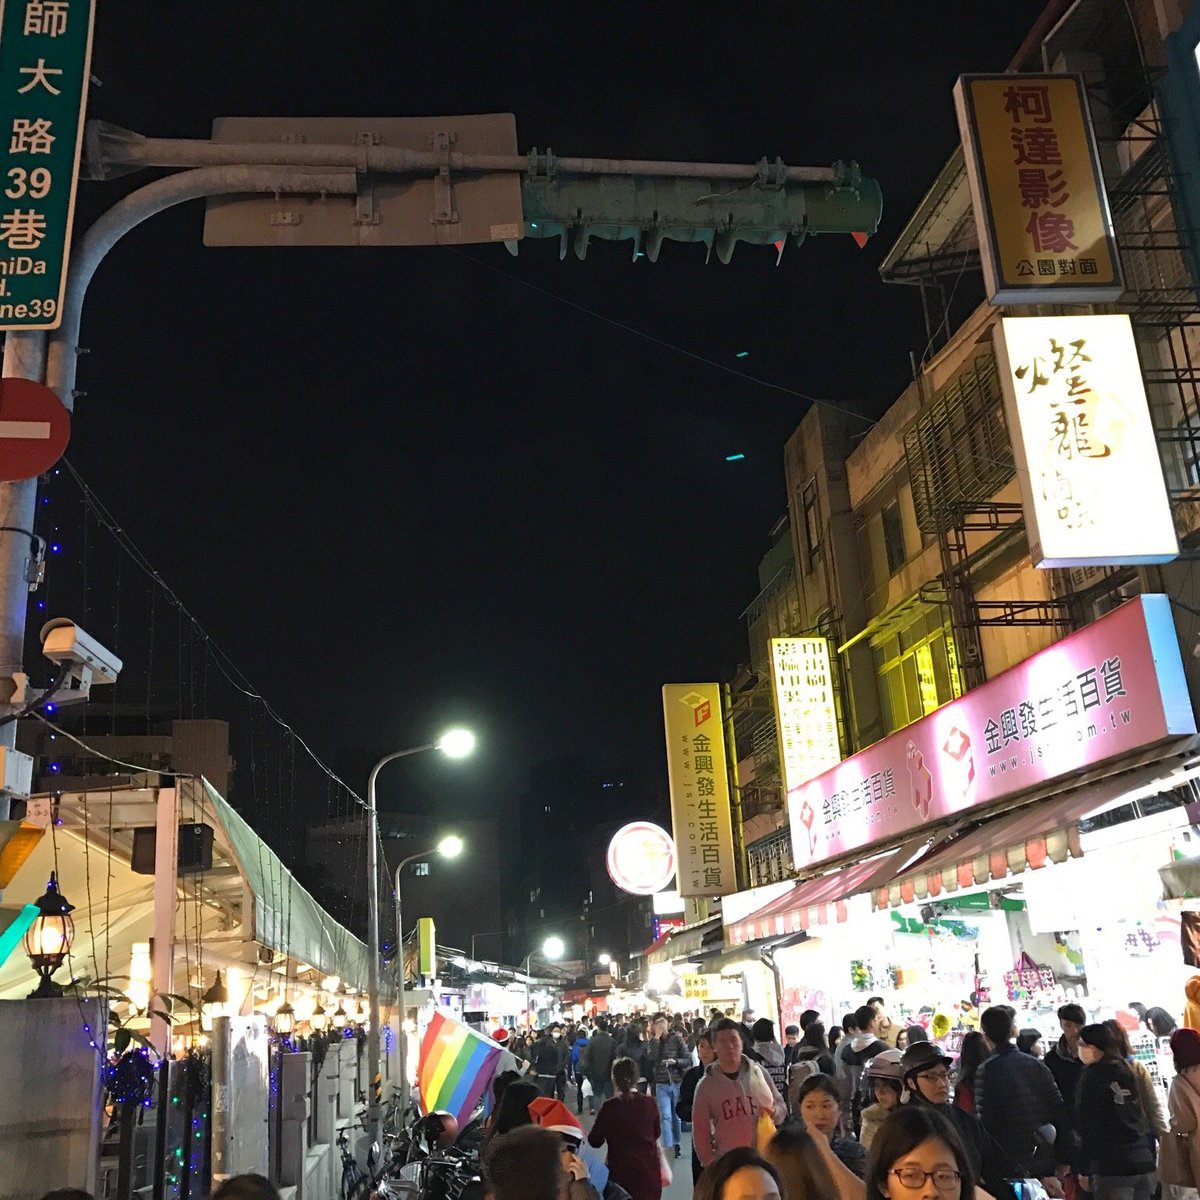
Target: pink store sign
column 1103, row 691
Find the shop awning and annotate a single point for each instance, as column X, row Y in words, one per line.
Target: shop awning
column 683, row 943
column 819, row 901
column 1029, row 837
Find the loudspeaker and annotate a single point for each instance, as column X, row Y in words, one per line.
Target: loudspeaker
column 195, row 849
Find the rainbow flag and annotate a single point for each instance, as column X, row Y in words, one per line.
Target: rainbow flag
column 455, row 1067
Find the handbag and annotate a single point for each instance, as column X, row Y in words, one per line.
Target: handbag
column 1175, row 1160
column 665, row 1174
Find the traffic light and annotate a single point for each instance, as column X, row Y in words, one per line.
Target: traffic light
column 648, row 209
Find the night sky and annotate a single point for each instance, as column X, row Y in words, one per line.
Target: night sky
column 401, row 487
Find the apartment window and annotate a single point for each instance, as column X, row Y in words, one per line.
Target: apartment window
column 917, row 670
column 421, row 868
column 893, row 537
column 811, row 508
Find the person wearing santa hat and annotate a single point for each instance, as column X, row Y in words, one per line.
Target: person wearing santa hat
column 555, row 1116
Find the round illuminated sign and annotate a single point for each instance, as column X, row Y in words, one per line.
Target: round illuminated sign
column 641, row 858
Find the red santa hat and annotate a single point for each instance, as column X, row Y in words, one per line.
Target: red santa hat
column 501, row 1036
column 557, row 1117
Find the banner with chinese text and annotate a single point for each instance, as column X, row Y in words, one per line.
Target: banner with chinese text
column 805, row 716
column 45, row 52
column 1085, row 448
column 1045, row 231
column 1110, row 688
column 698, row 771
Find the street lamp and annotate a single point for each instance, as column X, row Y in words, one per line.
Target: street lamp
column 455, row 743
column 451, row 846
column 48, row 940
column 552, row 950
column 605, row 960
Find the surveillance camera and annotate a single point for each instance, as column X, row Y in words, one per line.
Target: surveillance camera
column 88, row 662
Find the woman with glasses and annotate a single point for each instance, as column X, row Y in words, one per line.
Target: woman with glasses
column 918, row 1156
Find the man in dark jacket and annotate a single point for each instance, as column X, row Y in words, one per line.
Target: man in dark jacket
column 548, row 1060
column 1016, row 1098
column 667, row 1058
column 596, row 1063
column 864, row 1045
column 1063, row 1060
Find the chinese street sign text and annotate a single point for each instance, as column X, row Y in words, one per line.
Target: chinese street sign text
column 45, row 53
column 699, row 777
column 1045, row 231
column 805, row 716
column 1086, row 453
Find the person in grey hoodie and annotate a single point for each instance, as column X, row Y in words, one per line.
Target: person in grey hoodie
column 771, row 1055
column 730, row 1097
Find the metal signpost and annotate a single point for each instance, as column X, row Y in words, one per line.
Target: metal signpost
column 45, row 52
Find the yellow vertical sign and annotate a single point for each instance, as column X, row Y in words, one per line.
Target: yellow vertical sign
column 1045, row 231
column 426, row 947
column 805, row 714
column 698, row 771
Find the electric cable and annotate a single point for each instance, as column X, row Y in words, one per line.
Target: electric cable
column 44, row 698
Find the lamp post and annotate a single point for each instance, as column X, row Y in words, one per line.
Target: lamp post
column 552, row 949
column 48, row 939
column 457, row 743
column 449, row 847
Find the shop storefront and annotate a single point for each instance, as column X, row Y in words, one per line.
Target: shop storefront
column 936, row 857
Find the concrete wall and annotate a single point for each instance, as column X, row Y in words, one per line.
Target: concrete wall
column 50, row 1117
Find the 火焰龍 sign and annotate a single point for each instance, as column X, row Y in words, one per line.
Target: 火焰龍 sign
column 34, row 429
column 45, row 52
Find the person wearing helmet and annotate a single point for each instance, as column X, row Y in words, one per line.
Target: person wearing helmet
column 882, row 1083
column 925, row 1074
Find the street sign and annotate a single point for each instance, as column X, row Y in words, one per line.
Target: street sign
column 34, row 429
column 449, row 209
column 45, row 54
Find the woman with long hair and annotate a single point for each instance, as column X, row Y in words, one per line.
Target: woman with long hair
column 512, row 1107
column 629, row 1123
column 809, row 1168
column 1146, row 1087
column 819, row 1106
column 916, row 1147
column 972, row 1053
column 1117, row 1162
column 739, row 1174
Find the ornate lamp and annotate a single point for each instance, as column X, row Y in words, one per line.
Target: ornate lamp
column 319, row 1019
column 285, row 1020
column 340, row 1017
column 48, row 939
column 212, row 1003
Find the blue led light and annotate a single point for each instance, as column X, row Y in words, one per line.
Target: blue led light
column 55, row 768
column 51, row 707
column 734, row 457
column 41, row 604
column 55, row 547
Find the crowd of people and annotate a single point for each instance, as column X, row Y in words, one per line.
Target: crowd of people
column 873, row 1113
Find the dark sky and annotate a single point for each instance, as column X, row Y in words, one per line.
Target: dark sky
column 402, row 489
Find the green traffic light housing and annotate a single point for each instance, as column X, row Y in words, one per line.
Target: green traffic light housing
column 651, row 209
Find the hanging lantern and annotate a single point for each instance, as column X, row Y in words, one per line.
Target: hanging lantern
column 340, row 1017
column 319, row 1019
column 285, row 1020
column 212, row 1003
column 48, row 939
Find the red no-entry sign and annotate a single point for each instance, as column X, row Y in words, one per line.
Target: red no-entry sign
column 34, row 429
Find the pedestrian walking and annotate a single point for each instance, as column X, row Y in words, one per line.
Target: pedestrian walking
column 864, row 1046
column 629, row 1125
column 819, row 1107
column 1179, row 1154
column 597, row 1061
column 970, row 1055
column 1116, row 1158
column 668, row 1058
column 687, row 1089
column 548, row 1060
column 1016, row 1098
column 770, row 1053
column 882, row 1080
column 730, row 1097
column 578, row 1049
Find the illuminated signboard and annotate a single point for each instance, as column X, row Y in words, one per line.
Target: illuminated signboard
column 698, row 772
column 641, row 858
column 1086, row 454
column 1111, row 688
column 1045, row 231
column 805, row 717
